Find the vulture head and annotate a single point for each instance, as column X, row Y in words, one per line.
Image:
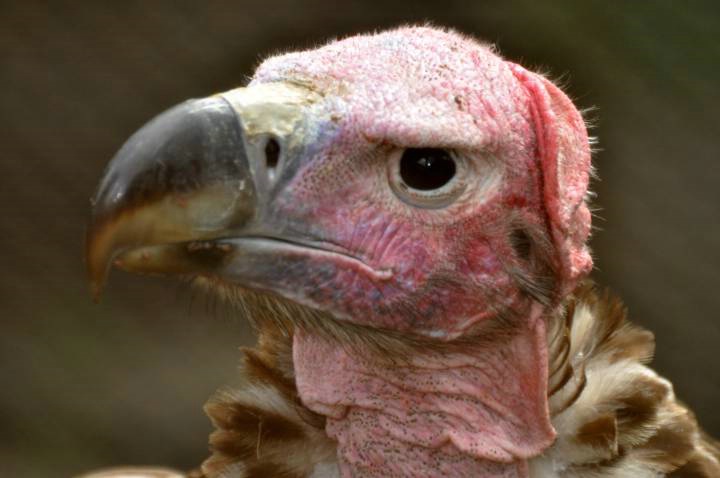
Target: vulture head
column 412, row 202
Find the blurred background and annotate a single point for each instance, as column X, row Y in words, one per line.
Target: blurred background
column 123, row 381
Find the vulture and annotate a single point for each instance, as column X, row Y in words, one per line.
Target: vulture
column 403, row 217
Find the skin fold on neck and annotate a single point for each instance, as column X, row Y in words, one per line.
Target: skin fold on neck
column 479, row 411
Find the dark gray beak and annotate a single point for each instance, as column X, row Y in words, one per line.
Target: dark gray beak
column 183, row 178
column 196, row 177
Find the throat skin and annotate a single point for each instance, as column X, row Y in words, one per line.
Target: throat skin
column 477, row 411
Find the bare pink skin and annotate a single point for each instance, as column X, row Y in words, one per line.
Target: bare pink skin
column 438, row 272
column 473, row 413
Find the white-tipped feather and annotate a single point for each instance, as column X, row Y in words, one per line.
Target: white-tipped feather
column 614, row 416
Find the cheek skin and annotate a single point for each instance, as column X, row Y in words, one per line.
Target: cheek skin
column 445, row 275
column 440, row 283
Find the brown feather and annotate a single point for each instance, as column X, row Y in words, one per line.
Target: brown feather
column 613, row 415
column 626, row 420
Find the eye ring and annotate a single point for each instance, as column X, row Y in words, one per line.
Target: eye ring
column 427, row 177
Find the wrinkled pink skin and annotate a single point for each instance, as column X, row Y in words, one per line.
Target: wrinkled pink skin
column 475, row 413
column 434, row 272
column 399, row 89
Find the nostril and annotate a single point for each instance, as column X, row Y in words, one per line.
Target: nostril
column 272, row 153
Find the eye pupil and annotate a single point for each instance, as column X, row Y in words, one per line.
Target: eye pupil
column 426, row 169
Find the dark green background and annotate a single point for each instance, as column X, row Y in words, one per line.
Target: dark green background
column 122, row 382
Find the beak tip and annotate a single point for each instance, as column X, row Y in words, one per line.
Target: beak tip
column 180, row 178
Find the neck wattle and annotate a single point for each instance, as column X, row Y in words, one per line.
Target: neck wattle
column 479, row 412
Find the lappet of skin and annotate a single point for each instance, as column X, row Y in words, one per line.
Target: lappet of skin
column 419, row 328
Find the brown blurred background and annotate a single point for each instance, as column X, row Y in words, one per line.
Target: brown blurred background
column 86, row 385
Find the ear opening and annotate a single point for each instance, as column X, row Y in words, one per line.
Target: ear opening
column 563, row 150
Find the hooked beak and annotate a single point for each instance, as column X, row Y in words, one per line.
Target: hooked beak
column 186, row 180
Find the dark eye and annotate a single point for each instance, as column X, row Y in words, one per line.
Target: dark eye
column 426, row 169
column 429, row 178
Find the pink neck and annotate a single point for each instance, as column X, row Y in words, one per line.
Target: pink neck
column 478, row 412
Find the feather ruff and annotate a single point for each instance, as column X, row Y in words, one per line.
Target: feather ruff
column 614, row 416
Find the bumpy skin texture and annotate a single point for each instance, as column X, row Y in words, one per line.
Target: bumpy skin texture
column 479, row 412
column 444, row 332
column 442, row 273
column 614, row 416
column 425, row 87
